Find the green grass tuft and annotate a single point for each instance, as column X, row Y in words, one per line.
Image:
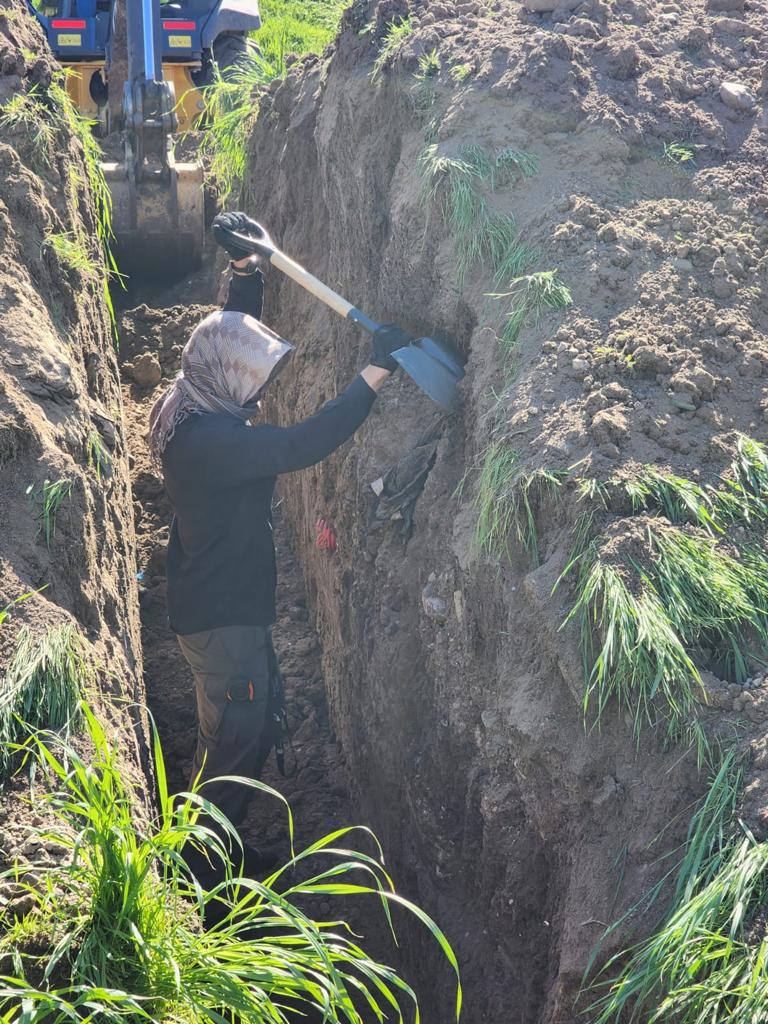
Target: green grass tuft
column 26, row 114
column 45, row 680
column 507, row 499
column 495, row 513
column 707, row 962
column 73, row 254
column 460, row 73
column 97, row 455
column 50, row 498
column 482, row 235
column 296, row 27
column 680, row 153
column 231, row 105
column 531, row 295
column 121, row 914
column 631, row 651
column 396, row 33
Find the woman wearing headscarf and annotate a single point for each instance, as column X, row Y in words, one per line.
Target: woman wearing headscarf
column 220, row 463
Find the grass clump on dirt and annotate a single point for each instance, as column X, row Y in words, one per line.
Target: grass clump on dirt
column 707, row 961
column 98, row 458
column 26, row 114
column 45, row 118
column 506, row 502
column 231, row 105
column 396, row 33
column 44, row 682
column 121, row 915
column 50, row 498
column 530, row 297
column 482, row 235
column 72, row 253
column 694, row 592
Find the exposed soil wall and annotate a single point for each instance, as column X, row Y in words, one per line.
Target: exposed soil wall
column 454, row 688
column 60, row 407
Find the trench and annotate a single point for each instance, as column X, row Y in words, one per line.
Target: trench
column 154, row 322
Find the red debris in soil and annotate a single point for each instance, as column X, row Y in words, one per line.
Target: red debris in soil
column 326, row 538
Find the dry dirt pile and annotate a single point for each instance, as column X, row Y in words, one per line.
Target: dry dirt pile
column 61, row 433
column 627, row 142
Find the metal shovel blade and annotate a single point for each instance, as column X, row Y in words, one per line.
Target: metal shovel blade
column 435, row 367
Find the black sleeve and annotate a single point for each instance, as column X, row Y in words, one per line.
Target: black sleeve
column 246, row 294
column 246, row 453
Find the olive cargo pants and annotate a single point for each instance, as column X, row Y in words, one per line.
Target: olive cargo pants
column 232, row 668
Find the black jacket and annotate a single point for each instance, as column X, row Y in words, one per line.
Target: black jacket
column 220, row 475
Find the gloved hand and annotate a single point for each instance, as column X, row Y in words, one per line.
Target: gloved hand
column 223, row 223
column 387, row 340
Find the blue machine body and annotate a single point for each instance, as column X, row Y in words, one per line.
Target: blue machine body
column 82, row 29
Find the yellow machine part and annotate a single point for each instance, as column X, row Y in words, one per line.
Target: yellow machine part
column 189, row 99
column 79, row 87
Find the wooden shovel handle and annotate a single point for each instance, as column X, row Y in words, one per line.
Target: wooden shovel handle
column 309, row 282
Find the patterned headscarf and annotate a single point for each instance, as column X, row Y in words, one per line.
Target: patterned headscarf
column 227, row 362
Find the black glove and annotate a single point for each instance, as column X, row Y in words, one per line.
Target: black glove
column 387, row 340
column 223, row 223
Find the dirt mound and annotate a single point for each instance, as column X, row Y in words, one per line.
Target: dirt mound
column 64, row 487
column 619, row 326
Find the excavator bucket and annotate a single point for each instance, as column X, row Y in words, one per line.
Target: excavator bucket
column 158, row 219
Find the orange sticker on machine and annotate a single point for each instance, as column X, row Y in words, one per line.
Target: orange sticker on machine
column 180, row 41
column 66, row 39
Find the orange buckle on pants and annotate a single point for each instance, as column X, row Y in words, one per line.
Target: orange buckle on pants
column 247, row 693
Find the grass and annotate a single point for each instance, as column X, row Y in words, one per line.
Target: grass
column 51, row 498
column 697, row 592
column 231, row 105
column 397, row 31
column 482, row 236
column 530, row 296
column 507, row 499
column 44, row 682
column 99, row 459
column 460, row 73
column 290, row 26
column 680, row 153
column 231, row 102
column 707, row 961
column 495, row 514
column 121, row 915
column 72, row 253
column 46, row 117
column 26, row 114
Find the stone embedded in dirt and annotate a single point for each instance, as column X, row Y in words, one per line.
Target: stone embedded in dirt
column 145, row 370
column 545, row 6
column 737, row 96
column 725, row 5
column 736, row 27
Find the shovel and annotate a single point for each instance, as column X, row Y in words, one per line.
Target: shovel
column 433, row 364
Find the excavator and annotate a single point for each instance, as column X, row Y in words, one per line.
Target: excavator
column 169, row 50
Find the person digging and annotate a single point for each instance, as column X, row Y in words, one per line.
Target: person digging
column 220, row 463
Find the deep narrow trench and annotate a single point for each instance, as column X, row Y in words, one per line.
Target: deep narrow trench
column 317, row 787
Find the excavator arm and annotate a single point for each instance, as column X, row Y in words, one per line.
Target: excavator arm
column 157, row 201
